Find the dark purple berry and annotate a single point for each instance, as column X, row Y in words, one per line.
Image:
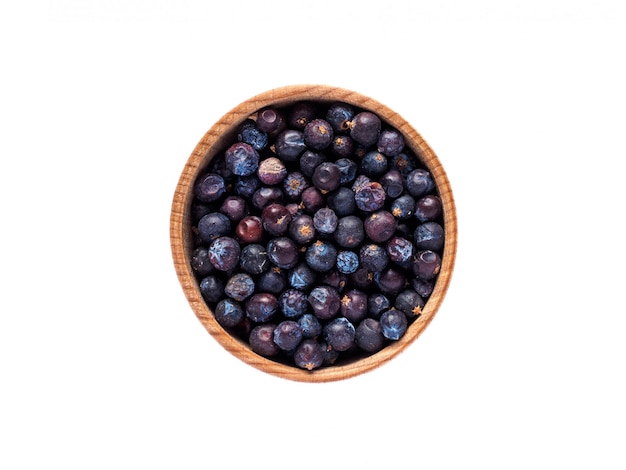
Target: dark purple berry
column 290, row 144
column 301, row 113
column 209, row 187
column 339, row 116
column 302, row 230
column 350, row 232
column 373, row 257
column 224, row 253
column 325, row 220
column 390, row 281
column 293, row 303
column 342, row 201
column 283, row 252
column 376, row 304
column 403, row 207
column 369, row 196
column 419, row 182
column 287, row 335
column 428, row 208
column 318, row 134
column 321, row 256
column 261, row 340
column 309, row 161
column 312, row 199
column 400, row 251
column 422, row 287
column 369, row 336
column 380, row 226
column 310, row 325
column 211, row 288
column 392, row 183
column 242, row 159
column 309, row 355
column 348, row 169
column 239, row 287
column 327, row 176
column 261, row 307
column 301, row 277
column 235, row 208
column 426, row 265
column 390, row 142
column 276, row 219
column 200, row 262
column 374, row 164
column 249, row 229
column 393, row 324
column 228, row 313
column 266, row 195
column 339, row 334
column 271, row 121
column 335, row 279
column 331, row 355
column 354, row 305
column 429, row 236
column 404, row 163
column 362, row 278
column 365, row 128
column 245, row 186
column 273, row 281
column 254, row 259
column 212, row 226
column 342, row 146
column 410, row 303
column 325, row 302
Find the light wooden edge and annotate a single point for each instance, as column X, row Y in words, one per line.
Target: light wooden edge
column 180, row 238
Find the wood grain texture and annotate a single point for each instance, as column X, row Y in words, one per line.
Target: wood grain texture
column 215, row 141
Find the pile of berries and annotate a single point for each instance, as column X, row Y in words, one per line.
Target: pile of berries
column 318, row 234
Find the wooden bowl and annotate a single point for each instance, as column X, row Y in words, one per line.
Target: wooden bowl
column 215, row 141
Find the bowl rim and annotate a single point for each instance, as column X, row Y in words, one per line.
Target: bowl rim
column 214, row 141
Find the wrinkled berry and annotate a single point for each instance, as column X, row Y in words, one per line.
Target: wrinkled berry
column 370, row 196
column 242, row 159
column 271, row 171
column 239, row 287
column 261, row 307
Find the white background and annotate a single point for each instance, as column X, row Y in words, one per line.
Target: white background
column 104, row 365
